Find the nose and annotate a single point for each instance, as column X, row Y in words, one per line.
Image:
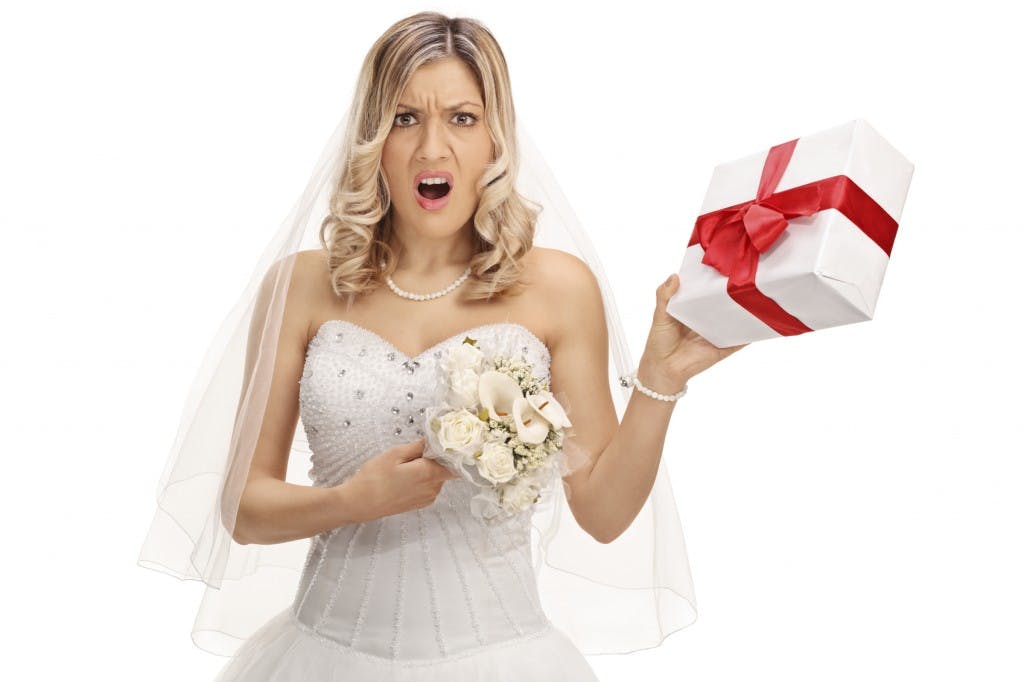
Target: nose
column 433, row 140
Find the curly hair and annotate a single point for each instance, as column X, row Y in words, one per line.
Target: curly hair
column 359, row 224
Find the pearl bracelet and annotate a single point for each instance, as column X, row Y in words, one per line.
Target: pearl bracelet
column 634, row 381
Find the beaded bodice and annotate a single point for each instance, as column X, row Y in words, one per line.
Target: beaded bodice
column 427, row 583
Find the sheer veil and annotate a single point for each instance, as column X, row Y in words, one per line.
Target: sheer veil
column 618, row 597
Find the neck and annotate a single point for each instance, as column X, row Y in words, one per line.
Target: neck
column 424, row 257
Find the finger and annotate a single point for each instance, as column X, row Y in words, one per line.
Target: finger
column 729, row 350
column 664, row 292
column 446, row 474
column 409, row 451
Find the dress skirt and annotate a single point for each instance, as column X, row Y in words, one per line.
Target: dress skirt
column 284, row 650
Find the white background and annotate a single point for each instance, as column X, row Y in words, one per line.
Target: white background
column 851, row 497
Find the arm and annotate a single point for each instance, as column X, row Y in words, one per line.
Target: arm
column 608, row 492
column 620, row 478
column 271, row 510
column 274, row 511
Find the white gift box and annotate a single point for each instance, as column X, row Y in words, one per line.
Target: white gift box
column 822, row 269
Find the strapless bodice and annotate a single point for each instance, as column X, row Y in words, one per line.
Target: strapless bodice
column 428, row 583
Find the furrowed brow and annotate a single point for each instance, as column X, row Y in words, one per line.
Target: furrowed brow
column 451, row 108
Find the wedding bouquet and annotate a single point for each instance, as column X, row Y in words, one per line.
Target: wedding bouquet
column 499, row 427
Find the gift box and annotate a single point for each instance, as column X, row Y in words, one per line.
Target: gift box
column 794, row 238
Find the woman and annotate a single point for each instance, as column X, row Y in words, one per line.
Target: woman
column 426, row 243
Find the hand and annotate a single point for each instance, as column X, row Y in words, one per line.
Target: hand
column 397, row 480
column 674, row 352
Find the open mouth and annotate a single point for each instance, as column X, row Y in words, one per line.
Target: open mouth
column 433, row 191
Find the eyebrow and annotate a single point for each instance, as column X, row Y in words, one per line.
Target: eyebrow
column 451, row 108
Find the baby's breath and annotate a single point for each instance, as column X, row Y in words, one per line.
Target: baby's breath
column 498, row 430
column 522, row 372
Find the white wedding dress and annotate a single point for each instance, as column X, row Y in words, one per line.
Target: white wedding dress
column 428, row 595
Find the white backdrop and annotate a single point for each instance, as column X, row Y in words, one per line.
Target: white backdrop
column 851, row 497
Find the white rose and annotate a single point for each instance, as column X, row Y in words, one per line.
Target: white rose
column 517, row 496
column 460, row 430
column 496, row 462
column 463, row 387
column 465, row 356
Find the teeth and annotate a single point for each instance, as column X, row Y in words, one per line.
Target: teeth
column 433, row 181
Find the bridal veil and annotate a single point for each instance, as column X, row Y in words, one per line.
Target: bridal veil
column 618, row 597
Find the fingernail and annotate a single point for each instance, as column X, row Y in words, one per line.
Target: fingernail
column 669, row 279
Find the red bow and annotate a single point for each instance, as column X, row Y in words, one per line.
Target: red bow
column 733, row 238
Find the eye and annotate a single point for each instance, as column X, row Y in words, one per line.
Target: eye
column 400, row 116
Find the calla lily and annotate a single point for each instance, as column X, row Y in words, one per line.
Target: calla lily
column 549, row 408
column 531, row 426
column 498, row 392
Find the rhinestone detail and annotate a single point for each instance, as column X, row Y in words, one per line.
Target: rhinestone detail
column 439, row 560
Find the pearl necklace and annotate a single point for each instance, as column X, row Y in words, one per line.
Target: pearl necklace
column 426, row 297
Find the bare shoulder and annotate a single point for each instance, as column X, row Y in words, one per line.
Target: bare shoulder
column 306, row 272
column 310, row 264
column 301, row 268
column 311, row 275
column 570, row 292
column 311, row 282
column 557, row 267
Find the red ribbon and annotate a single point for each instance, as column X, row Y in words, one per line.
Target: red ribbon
column 733, row 238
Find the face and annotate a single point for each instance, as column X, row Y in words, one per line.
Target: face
column 438, row 130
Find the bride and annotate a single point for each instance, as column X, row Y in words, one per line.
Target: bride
column 426, row 243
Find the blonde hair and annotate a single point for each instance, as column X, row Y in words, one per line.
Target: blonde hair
column 359, row 225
